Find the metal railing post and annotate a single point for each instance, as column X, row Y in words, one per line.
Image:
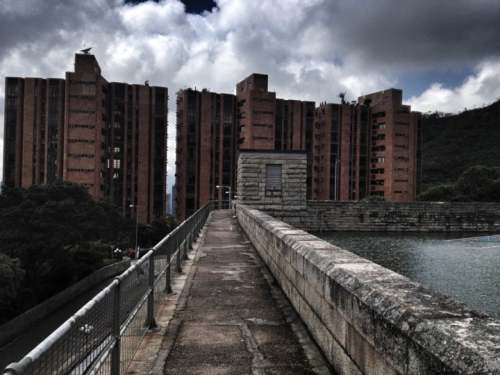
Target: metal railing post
column 151, row 297
column 178, row 243
column 186, row 242
column 168, row 283
column 116, row 354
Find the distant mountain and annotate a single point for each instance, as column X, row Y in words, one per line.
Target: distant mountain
column 452, row 143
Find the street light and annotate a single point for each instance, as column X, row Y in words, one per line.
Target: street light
column 136, row 229
column 228, row 187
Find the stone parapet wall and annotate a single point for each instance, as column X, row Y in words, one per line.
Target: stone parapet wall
column 388, row 216
column 366, row 318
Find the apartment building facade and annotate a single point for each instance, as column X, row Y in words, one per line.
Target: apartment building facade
column 368, row 148
column 207, row 136
column 212, row 128
column 109, row 137
column 396, row 132
column 340, row 152
column 354, row 150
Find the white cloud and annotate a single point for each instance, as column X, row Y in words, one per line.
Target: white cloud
column 479, row 89
column 311, row 49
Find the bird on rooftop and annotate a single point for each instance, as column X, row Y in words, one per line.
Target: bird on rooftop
column 86, row 50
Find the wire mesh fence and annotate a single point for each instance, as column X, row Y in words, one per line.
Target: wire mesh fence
column 104, row 335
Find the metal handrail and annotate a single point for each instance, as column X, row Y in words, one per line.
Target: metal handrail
column 103, row 336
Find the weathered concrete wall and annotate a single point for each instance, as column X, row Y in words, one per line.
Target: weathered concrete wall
column 251, row 180
column 366, row 318
column 389, row 216
column 22, row 322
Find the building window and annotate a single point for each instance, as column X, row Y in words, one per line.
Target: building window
column 81, row 141
column 81, row 155
column 83, row 126
column 378, row 160
column 80, row 170
column 273, row 180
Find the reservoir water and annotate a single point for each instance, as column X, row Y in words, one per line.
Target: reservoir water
column 466, row 269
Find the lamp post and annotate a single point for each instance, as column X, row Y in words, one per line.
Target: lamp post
column 136, row 229
column 336, row 185
column 228, row 187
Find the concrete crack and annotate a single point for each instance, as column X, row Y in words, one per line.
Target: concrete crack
column 258, row 360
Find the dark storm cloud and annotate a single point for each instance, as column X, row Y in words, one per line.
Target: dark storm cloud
column 419, row 33
column 37, row 24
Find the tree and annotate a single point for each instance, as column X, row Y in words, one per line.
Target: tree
column 11, row 285
column 58, row 234
column 86, row 257
column 150, row 235
column 476, row 184
column 49, row 228
column 439, row 193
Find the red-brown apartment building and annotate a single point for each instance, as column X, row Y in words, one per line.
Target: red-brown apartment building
column 354, row 150
column 109, row 137
column 212, row 127
column 206, row 148
column 368, row 148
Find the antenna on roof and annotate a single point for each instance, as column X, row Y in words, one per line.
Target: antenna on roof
column 86, row 50
column 342, row 97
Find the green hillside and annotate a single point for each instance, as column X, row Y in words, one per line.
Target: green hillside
column 453, row 143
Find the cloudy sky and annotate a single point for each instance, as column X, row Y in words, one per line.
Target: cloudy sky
column 444, row 54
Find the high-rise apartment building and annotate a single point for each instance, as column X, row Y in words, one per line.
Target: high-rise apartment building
column 207, row 135
column 256, row 113
column 394, row 159
column 268, row 123
column 212, row 127
column 293, row 128
column 109, row 137
column 340, row 152
column 354, row 150
column 366, row 149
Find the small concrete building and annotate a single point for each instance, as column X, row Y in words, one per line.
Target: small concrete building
column 270, row 180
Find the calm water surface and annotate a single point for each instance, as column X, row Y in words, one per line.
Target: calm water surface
column 466, row 270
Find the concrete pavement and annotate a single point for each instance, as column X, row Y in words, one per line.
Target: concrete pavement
column 230, row 319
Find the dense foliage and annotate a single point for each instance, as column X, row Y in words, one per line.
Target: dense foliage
column 478, row 183
column 454, row 143
column 53, row 235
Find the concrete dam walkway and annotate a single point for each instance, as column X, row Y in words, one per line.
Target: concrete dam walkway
column 230, row 318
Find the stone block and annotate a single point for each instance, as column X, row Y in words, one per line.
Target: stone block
column 365, row 318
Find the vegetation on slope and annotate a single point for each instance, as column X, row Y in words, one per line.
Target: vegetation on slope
column 454, row 143
column 476, row 184
column 53, row 235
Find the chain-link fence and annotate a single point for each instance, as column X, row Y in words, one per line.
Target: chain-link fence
column 104, row 335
